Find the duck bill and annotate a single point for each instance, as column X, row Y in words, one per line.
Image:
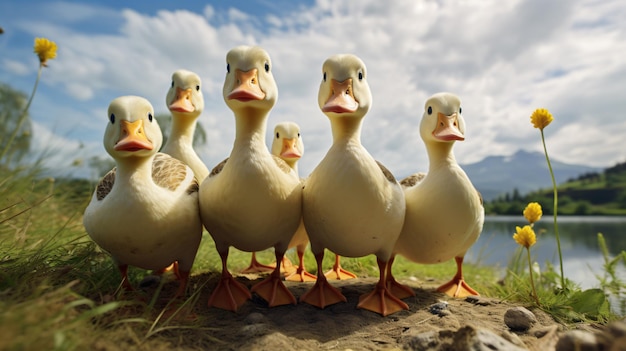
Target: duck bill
column 341, row 98
column 182, row 101
column 289, row 149
column 448, row 128
column 247, row 86
column 133, row 137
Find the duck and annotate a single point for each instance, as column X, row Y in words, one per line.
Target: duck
column 351, row 204
column 252, row 200
column 445, row 192
column 287, row 144
column 185, row 101
column 144, row 212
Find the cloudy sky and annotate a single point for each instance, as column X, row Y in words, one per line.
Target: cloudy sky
column 502, row 58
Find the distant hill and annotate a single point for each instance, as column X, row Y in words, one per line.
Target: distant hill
column 524, row 171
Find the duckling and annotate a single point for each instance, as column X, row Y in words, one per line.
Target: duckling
column 252, row 200
column 352, row 204
column 145, row 211
column 429, row 234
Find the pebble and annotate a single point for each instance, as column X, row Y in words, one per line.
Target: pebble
column 577, row 340
column 519, row 319
column 439, row 308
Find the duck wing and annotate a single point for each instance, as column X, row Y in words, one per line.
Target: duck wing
column 105, row 185
column 169, row 173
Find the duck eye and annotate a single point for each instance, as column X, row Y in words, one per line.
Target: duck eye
column 460, row 110
column 112, row 118
column 298, row 135
column 172, row 84
column 324, row 76
column 197, row 88
column 360, row 75
column 228, row 67
column 267, row 67
column 150, row 116
column 430, row 110
column 277, row 135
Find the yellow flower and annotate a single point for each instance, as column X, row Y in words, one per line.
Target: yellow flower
column 533, row 212
column 45, row 49
column 541, row 118
column 525, row 236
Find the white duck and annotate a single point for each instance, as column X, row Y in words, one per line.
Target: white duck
column 254, row 200
column 352, row 205
column 145, row 211
column 185, row 101
column 444, row 212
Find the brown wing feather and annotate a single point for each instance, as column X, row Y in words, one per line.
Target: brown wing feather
column 217, row 169
column 387, row 173
column 412, row 180
column 105, row 185
column 168, row 172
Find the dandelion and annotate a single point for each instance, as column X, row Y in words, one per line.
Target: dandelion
column 533, row 212
column 45, row 50
column 540, row 119
column 526, row 237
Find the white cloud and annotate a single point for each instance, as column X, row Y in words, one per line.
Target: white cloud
column 503, row 59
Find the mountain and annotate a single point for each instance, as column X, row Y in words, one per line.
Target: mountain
column 524, row 171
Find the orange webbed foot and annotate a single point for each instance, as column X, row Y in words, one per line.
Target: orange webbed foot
column 301, row 275
column 274, row 291
column 257, row 267
column 338, row 273
column 457, row 288
column 229, row 294
column 381, row 301
column 322, row 294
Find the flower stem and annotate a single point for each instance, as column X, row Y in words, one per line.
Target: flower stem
column 532, row 282
column 556, row 202
column 22, row 118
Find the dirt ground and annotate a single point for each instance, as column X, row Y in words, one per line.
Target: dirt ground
column 342, row 326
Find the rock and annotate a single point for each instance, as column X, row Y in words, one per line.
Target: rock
column 478, row 300
column 467, row 338
column 254, row 318
column 577, row 340
column 519, row 319
column 439, row 308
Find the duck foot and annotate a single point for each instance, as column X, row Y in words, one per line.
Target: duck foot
column 301, row 275
column 257, row 267
column 274, row 291
column 398, row 290
column 322, row 294
column 338, row 273
column 457, row 287
column 381, row 301
column 229, row 294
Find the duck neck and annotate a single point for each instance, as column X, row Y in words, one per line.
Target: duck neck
column 346, row 129
column 183, row 128
column 440, row 155
column 250, row 125
column 134, row 169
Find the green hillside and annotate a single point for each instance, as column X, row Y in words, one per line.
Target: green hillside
column 594, row 193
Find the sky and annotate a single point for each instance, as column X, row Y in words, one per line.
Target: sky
column 503, row 59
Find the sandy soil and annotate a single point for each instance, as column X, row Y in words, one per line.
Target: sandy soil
column 341, row 326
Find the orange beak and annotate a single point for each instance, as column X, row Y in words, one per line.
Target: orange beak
column 341, row 98
column 247, row 87
column 182, row 101
column 289, row 149
column 448, row 128
column 133, row 138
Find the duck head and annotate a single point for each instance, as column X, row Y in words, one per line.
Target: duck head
column 344, row 90
column 249, row 81
column 287, row 142
column 442, row 120
column 132, row 130
column 184, row 96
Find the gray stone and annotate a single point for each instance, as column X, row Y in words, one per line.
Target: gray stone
column 439, row 308
column 519, row 319
column 577, row 340
column 254, row 318
column 465, row 339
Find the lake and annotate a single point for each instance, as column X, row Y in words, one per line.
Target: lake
column 582, row 259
